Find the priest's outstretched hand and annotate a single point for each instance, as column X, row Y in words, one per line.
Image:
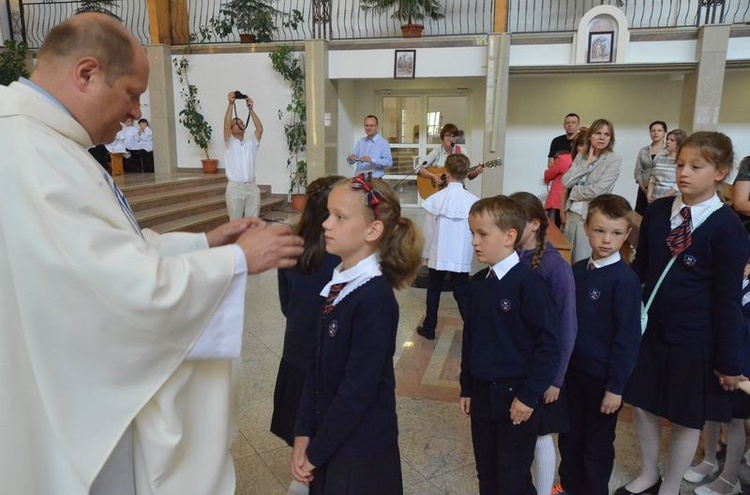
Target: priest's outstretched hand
column 269, row 246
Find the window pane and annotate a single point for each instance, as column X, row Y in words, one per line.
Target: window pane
column 401, row 117
column 403, row 160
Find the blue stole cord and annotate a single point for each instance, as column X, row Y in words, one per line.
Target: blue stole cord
column 124, row 206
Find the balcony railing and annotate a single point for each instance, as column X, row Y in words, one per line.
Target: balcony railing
column 539, row 16
column 38, row 17
column 348, row 21
column 345, row 20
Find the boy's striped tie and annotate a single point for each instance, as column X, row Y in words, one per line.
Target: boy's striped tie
column 332, row 293
column 679, row 238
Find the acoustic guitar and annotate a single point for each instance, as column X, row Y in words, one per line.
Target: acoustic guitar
column 427, row 187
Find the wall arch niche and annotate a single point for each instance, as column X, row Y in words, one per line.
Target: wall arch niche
column 604, row 18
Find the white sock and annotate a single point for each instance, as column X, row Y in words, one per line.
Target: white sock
column 735, row 447
column 648, row 433
column 682, row 445
column 545, row 461
column 297, row 488
column 711, row 433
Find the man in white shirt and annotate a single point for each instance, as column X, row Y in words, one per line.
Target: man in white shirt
column 243, row 194
column 117, row 344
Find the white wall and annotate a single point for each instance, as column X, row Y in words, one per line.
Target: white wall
column 734, row 115
column 538, row 104
column 430, row 62
column 651, row 52
column 215, row 75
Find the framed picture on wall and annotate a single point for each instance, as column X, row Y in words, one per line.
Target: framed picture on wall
column 600, row 47
column 404, row 63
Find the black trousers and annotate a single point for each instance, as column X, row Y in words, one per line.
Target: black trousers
column 641, row 202
column 587, row 451
column 554, row 215
column 503, row 451
column 435, row 287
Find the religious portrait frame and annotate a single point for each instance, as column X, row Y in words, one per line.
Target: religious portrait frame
column 600, row 47
column 404, row 64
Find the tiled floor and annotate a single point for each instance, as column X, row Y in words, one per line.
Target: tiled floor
column 434, row 437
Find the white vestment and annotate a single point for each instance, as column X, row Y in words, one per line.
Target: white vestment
column 447, row 238
column 96, row 322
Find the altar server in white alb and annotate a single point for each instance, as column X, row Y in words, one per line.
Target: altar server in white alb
column 117, row 344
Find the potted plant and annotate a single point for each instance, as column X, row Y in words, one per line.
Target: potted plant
column 290, row 68
column 192, row 118
column 100, row 6
column 13, row 62
column 408, row 11
column 253, row 19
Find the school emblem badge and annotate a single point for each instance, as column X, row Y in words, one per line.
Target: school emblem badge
column 505, row 305
column 689, row 260
column 333, row 328
column 594, row 294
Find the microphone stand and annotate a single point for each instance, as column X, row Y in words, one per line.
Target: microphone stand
column 410, row 174
column 424, row 163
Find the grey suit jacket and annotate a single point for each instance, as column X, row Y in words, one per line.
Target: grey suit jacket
column 589, row 181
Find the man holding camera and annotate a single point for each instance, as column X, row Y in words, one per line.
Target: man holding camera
column 243, row 195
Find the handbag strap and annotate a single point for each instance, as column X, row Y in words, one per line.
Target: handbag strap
column 700, row 221
column 656, row 287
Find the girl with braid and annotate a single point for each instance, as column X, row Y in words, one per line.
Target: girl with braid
column 539, row 254
column 346, row 434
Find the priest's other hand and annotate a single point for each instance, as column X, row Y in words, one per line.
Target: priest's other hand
column 269, row 246
column 231, row 231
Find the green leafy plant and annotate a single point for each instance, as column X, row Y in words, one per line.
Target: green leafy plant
column 406, row 11
column 190, row 116
column 100, row 6
column 13, row 62
column 251, row 17
column 289, row 67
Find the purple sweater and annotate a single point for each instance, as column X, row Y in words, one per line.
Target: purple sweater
column 558, row 275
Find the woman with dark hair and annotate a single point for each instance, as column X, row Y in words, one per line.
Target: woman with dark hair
column 663, row 182
column 301, row 303
column 644, row 164
column 436, row 157
column 593, row 173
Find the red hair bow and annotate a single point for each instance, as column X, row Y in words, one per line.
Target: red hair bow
column 373, row 197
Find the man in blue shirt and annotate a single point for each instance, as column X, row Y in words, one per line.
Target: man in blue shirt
column 372, row 153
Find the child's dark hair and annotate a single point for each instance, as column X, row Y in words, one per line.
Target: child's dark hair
column 582, row 137
column 611, row 206
column 310, row 226
column 715, row 147
column 458, row 166
column 400, row 245
column 505, row 212
column 534, row 210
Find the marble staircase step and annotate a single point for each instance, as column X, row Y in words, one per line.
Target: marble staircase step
column 205, row 220
column 190, row 202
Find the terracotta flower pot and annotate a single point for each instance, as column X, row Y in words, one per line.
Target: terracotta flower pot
column 210, row 165
column 247, row 38
column 412, row 30
column 299, row 201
